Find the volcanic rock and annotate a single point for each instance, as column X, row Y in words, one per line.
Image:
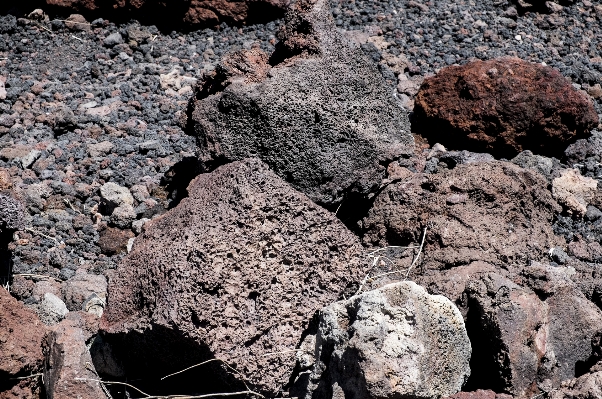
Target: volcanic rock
column 190, row 12
column 396, row 341
column 113, row 241
column 574, row 191
column 584, row 387
column 321, row 117
column 235, row 271
column 494, row 212
column 479, row 394
column 503, row 106
column 68, row 370
column 522, row 341
column 21, row 335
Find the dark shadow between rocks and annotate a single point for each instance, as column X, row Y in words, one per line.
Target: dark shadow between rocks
column 148, row 356
column 484, row 366
column 178, row 177
column 5, row 258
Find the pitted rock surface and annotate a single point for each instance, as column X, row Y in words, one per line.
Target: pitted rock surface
column 396, row 341
column 237, row 269
column 322, row 118
column 503, row 106
column 21, row 336
column 494, row 212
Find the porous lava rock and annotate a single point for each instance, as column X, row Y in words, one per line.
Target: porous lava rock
column 525, row 338
column 185, row 12
column 503, row 106
column 479, row 394
column 395, row 341
column 236, row 271
column 585, row 387
column 494, row 212
column 322, row 117
column 21, row 337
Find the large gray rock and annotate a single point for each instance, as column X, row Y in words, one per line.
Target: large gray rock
column 236, row 271
column 394, row 342
column 321, row 118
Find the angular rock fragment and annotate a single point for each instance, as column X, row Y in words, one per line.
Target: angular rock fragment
column 396, row 341
column 321, row 117
column 68, row 370
column 494, row 212
column 526, row 339
column 235, row 272
column 574, row 191
column 21, row 336
column 503, row 106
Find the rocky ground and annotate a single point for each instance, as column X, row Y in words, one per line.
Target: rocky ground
column 99, row 136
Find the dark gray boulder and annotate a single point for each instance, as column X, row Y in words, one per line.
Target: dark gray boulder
column 317, row 111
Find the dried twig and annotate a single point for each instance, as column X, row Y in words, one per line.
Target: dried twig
column 71, row 205
column 35, row 276
column 419, row 252
column 112, row 383
column 377, row 258
column 41, row 234
column 75, row 37
column 29, row 376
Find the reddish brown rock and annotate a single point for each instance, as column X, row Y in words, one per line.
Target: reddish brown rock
column 479, row 394
column 190, row 12
column 21, row 336
column 235, row 271
column 503, row 106
column 68, row 370
column 494, row 212
column 113, row 241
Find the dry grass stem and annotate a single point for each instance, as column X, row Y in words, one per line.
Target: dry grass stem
column 35, row 276
column 75, row 37
column 419, row 252
column 41, row 234
column 29, row 376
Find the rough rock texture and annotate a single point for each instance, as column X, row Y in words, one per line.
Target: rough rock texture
column 494, row 212
column 479, row 394
column 235, row 271
column 187, row 12
column 503, row 106
column 588, row 386
column 524, row 342
column 21, row 336
column 68, row 367
column 322, row 118
column 396, row 341
column 12, row 214
column 574, row 191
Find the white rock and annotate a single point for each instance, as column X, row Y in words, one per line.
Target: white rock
column 574, row 191
column 394, row 342
column 52, row 309
column 116, row 194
